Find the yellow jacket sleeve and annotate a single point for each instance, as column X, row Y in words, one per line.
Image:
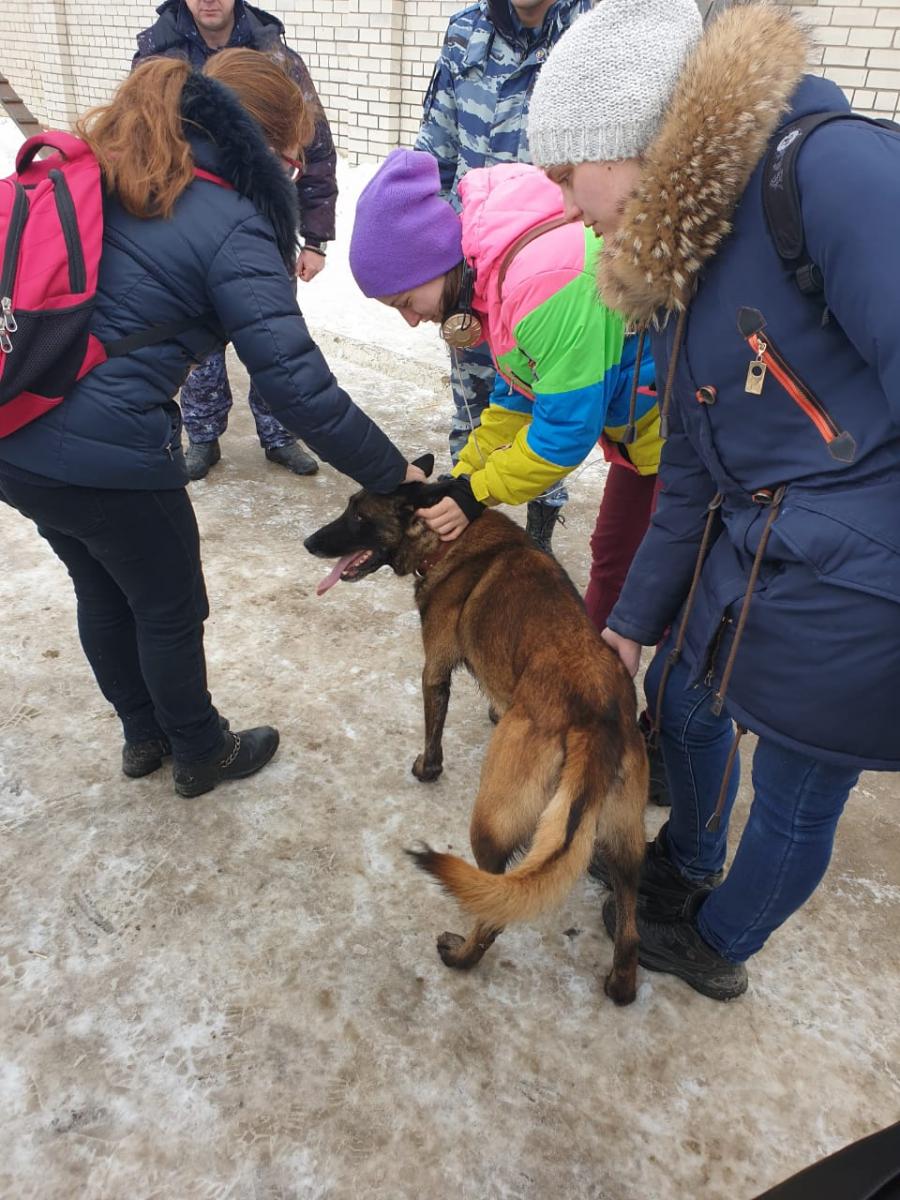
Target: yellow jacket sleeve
column 501, row 465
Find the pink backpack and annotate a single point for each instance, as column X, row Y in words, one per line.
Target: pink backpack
column 51, row 234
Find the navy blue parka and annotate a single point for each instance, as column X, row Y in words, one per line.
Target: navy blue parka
column 818, row 666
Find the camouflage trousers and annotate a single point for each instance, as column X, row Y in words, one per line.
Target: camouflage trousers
column 206, row 400
column 472, row 375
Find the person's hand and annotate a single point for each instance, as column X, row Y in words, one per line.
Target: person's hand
column 628, row 651
column 309, row 264
column 414, row 474
column 446, row 518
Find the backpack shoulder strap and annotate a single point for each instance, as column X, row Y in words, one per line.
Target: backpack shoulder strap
column 156, row 334
column 520, row 243
column 781, row 198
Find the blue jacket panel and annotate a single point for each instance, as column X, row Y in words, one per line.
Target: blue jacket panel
column 476, row 106
column 819, row 661
column 223, row 256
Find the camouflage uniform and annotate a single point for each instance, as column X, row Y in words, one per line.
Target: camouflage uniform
column 206, row 401
column 476, row 115
column 206, row 395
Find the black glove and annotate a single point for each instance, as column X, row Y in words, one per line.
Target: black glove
column 460, row 490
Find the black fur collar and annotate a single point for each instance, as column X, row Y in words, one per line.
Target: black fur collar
column 243, row 156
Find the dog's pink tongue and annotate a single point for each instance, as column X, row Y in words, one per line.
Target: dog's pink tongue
column 334, row 574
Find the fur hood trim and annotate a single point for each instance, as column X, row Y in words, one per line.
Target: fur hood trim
column 243, row 156
column 730, row 98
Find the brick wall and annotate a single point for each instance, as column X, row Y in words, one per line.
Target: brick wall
column 371, row 59
column 859, row 48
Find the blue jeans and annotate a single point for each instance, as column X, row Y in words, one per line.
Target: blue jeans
column 786, row 845
column 206, row 402
column 472, row 378
column 134, row 558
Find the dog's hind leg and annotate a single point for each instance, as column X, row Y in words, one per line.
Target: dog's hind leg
column 519, row 775
column 465, row 953
column 621, row 837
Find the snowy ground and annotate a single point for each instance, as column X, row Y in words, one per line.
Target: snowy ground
column 10, row 140
column 239, row 997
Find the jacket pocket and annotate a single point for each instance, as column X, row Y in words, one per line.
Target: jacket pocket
column 847, row 539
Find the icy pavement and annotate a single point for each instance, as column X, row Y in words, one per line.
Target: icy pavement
column 239, row 996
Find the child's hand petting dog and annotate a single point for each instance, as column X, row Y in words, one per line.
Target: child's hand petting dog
column 450, row 516
column 447, row 519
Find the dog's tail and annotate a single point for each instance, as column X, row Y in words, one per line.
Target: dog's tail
column 560, row 851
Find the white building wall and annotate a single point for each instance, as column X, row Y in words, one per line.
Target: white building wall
column 371, row 59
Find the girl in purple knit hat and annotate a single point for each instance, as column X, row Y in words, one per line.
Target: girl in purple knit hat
column 510, row 270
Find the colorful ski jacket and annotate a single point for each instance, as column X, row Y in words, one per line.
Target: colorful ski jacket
column 476, row 106
column 565, row 360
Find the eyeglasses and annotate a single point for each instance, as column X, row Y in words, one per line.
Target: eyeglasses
column 296, row 167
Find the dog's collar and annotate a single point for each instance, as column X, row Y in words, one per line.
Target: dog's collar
column 431, row 560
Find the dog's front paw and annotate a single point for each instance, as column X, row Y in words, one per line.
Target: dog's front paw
column 448, row 947
column 620, row 989
column 425, row 771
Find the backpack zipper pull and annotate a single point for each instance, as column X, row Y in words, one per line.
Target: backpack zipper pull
column 8, row 321
column 7, row 325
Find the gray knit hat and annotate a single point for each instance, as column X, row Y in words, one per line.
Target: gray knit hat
column 604, row 90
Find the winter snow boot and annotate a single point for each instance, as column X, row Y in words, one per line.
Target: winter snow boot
column 243, row 754
column 664, row 894
column 200, row 457
column 294, row 457
column 676, row 948
column 541, row 522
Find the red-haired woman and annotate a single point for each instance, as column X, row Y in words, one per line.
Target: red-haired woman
column 103, row 475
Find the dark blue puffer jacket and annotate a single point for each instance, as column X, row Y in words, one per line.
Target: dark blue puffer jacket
column 818, row 665
column 223, row 253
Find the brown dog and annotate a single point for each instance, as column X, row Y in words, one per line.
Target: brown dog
column 566, row 764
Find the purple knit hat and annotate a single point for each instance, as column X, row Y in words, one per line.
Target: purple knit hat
column 404, row 233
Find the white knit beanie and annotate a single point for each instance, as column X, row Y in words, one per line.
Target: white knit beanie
column 605, row 87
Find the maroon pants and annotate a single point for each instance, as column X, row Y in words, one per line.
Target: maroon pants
column 625, row 510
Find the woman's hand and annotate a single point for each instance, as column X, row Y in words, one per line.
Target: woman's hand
column 309, row 264
column 628, row 651
column 446, row 518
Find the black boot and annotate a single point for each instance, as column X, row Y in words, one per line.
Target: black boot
column 664, row 894
column 676, row 948
column 200, row 457
column 244, row 754
column 294, row 457
column 143, row 758
column 541, row 522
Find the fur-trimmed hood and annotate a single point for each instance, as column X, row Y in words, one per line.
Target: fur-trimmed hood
column 212, row 113
column 732, row 95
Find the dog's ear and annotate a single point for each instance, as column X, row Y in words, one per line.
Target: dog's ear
column 425, row 463
column 428, row 494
